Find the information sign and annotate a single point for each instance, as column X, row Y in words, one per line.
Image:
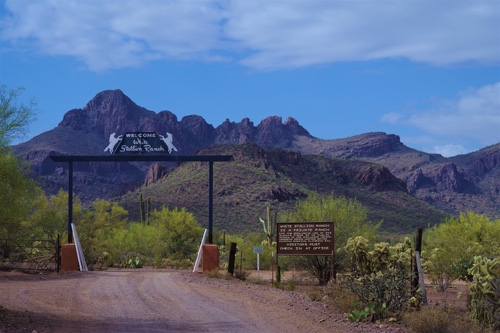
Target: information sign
column 305, row 238
column 258, row 249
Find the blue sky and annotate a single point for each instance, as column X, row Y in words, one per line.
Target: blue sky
column 425, row 70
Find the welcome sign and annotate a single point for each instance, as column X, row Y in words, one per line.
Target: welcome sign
column 137, row 143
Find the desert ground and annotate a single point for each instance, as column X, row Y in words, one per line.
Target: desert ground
column 160, row 300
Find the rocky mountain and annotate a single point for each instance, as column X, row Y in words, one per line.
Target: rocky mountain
column 457, row 184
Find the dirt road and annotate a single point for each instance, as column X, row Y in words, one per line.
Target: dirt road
column 157, row 301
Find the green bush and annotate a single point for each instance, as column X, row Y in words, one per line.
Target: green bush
column 450, row 247
column 380, row 277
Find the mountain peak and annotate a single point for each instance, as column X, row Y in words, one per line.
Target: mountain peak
column 109, row 99
column 108, row 112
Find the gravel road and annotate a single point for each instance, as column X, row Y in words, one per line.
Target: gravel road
column 158, row 301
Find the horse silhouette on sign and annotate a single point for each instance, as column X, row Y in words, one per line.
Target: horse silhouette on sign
column 168, row 141
column 112, row 142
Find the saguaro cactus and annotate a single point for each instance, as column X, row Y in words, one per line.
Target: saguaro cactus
column 145, row 209
column 269, row 225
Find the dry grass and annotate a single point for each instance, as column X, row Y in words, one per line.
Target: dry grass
column 448, row 319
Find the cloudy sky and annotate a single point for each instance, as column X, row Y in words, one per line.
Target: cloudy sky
column 426, row 70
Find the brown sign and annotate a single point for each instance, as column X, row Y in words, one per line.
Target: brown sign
column 305, row 238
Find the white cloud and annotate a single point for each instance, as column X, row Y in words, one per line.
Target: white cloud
column 114, row 34
column 450, row 150
column 307, row 33
column 264, row 35
column 474, row 114
column 391, row 118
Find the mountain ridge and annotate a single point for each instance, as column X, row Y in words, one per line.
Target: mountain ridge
column 454, row 184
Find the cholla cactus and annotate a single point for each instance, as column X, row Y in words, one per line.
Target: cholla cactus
column 485, row 291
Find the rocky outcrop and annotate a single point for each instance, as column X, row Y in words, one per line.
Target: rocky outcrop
column 280, row 194
column 443, row 177
column 270, row 132
column 156, row 171
column 379, row 178
column 239, row 133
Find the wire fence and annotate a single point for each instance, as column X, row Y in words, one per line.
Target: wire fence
column 31, row 255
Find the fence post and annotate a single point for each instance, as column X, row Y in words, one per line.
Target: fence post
column 58, row 253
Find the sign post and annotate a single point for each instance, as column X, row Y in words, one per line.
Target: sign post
column 258, row 250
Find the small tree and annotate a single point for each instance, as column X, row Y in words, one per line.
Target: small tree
column 14, row 118
column 450, row 248
column 17, row 194
column 350, row 219
column 50, row 215
column 99, row 224
column 182, row 231
column 17, row 188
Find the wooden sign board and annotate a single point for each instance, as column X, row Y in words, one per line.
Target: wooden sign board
column 305, row 238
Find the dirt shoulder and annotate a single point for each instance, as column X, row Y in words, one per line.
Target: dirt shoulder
column 159, row 301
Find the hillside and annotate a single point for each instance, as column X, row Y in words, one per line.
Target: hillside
column 257, row 176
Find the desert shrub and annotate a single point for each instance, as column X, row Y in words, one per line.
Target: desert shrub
column 339, row 297
column 256, row 280
column 178, row 263
column 380, row 278
column 130, row 260
column 485, row 291
column 285, row 285
column 159, row 262
column 314, row 295
column 214, row 273
column 241, row 274
column 439, row 320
